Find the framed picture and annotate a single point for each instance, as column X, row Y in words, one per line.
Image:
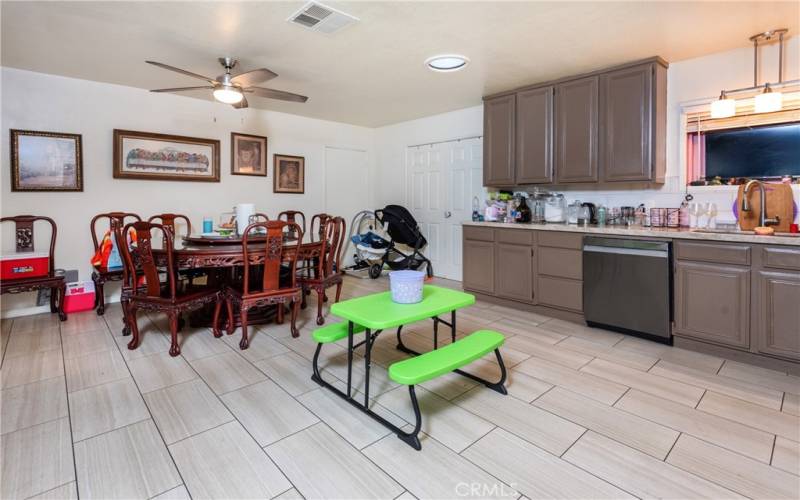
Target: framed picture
column 248, row 155
column 46, row 161
column 144, row 155
column 290, row 174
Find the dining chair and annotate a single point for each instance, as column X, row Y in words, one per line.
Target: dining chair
column 292, row 216
column 153, row 294
column 274, row 286
column 317, row 227
column 328, row 269
column 24, row 235
column 101, row 274
column 168, row 221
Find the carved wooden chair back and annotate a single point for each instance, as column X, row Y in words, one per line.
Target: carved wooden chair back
column 317, row 227
column 168, row 221
column 261, row 217
column 145, row 259
column 275, row 252
column 114, row 219
column 24, row 234
column 333, row 235
column 293, row 216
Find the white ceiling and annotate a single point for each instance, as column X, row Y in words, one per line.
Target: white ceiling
column 372, row 73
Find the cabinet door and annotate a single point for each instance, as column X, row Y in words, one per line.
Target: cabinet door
column 576, row 130
column 712, row 303
column 478, row 262
column 535, row 136
column 628, row 125
column 779, row 314
column 498, row 140
column 514, row 272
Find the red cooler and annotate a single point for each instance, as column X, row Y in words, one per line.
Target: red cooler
column 80, row 296
column 24, row 265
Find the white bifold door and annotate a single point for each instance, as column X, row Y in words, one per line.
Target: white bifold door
column 442, row 180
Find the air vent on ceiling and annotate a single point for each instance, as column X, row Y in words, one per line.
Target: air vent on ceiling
column 318, row 17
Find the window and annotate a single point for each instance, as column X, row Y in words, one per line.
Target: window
column 747, row 146
column 768, row 151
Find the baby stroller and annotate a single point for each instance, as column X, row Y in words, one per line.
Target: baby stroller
column 374, row 251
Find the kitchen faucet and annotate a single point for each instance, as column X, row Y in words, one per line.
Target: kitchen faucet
column 762, row 217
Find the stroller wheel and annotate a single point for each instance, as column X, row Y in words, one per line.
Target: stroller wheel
column 375, row 271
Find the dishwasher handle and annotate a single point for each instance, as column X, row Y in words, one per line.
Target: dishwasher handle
column 663, row 254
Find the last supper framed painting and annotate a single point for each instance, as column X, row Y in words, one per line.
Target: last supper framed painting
column 145, row 155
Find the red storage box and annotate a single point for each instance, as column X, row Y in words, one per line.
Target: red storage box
column 24, row 265
column 80, row 297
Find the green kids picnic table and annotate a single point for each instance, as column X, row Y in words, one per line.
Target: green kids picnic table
column 375, row 313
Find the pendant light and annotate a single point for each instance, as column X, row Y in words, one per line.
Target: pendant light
column 768, row 101
column 723, row 107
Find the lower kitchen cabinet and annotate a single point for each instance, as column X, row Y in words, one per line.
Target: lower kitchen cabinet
column 779, row 310
column 712, row 303
column 478, row 261
column 514, row 271
column 560, row 293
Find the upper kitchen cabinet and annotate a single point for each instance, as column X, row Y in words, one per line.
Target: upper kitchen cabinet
column 499, row 141
column 535, row 136
column 608, row 126
column 633, row 121
column 576, row 130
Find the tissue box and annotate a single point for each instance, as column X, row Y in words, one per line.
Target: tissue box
column 79, row 297
column 24, row 265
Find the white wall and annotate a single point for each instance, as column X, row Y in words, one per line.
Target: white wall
column 687, row 82
column 36, row 101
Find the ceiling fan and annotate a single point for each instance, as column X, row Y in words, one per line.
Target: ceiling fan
column 231, row 89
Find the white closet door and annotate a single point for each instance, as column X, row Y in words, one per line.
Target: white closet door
column 442, row 180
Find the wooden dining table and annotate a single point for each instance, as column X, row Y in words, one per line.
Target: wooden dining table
column 220, row 257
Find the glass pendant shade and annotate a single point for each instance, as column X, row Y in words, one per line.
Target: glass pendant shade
column 768, row 101
column 723, row 107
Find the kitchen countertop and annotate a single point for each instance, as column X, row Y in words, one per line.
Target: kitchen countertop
column 671, row 233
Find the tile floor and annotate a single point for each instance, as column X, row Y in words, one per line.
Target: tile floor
column 589, row 414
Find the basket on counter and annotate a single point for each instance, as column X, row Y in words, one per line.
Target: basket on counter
column 665, row 217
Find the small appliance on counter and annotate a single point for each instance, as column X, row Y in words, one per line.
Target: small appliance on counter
column 591, row 217
column 555, row 209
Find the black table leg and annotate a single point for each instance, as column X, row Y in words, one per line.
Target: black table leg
column 349, row 357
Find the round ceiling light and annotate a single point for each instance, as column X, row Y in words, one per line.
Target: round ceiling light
column 228, row 94
column 447, row 62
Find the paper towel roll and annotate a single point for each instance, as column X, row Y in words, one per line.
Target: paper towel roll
column 243, row 213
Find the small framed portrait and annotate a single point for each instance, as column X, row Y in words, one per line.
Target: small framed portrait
column 290, row 174
column 46, row 161
column 248, row 155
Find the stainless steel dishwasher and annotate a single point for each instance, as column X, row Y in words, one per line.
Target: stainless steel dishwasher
column 627, row 286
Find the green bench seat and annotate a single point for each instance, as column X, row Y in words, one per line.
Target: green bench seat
column 334, row 332
column 432, row 364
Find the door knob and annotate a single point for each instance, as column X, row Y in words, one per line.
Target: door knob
column 447, row 215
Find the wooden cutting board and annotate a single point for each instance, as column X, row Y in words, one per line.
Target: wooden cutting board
column 779, row 202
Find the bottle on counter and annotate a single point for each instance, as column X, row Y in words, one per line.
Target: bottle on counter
column 523, row 210
column 601, row 216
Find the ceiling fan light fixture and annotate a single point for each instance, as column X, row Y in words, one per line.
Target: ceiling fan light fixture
column 768, row 101
column 446, row 63
column 723, row 107
column 228, row 94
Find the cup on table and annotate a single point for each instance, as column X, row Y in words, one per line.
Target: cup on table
column 208, row 224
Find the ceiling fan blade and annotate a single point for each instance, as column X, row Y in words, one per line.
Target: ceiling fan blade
column 241, row 104
column 253, row 77
column 181, row 89
column 276, row 94
column 182, row 71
